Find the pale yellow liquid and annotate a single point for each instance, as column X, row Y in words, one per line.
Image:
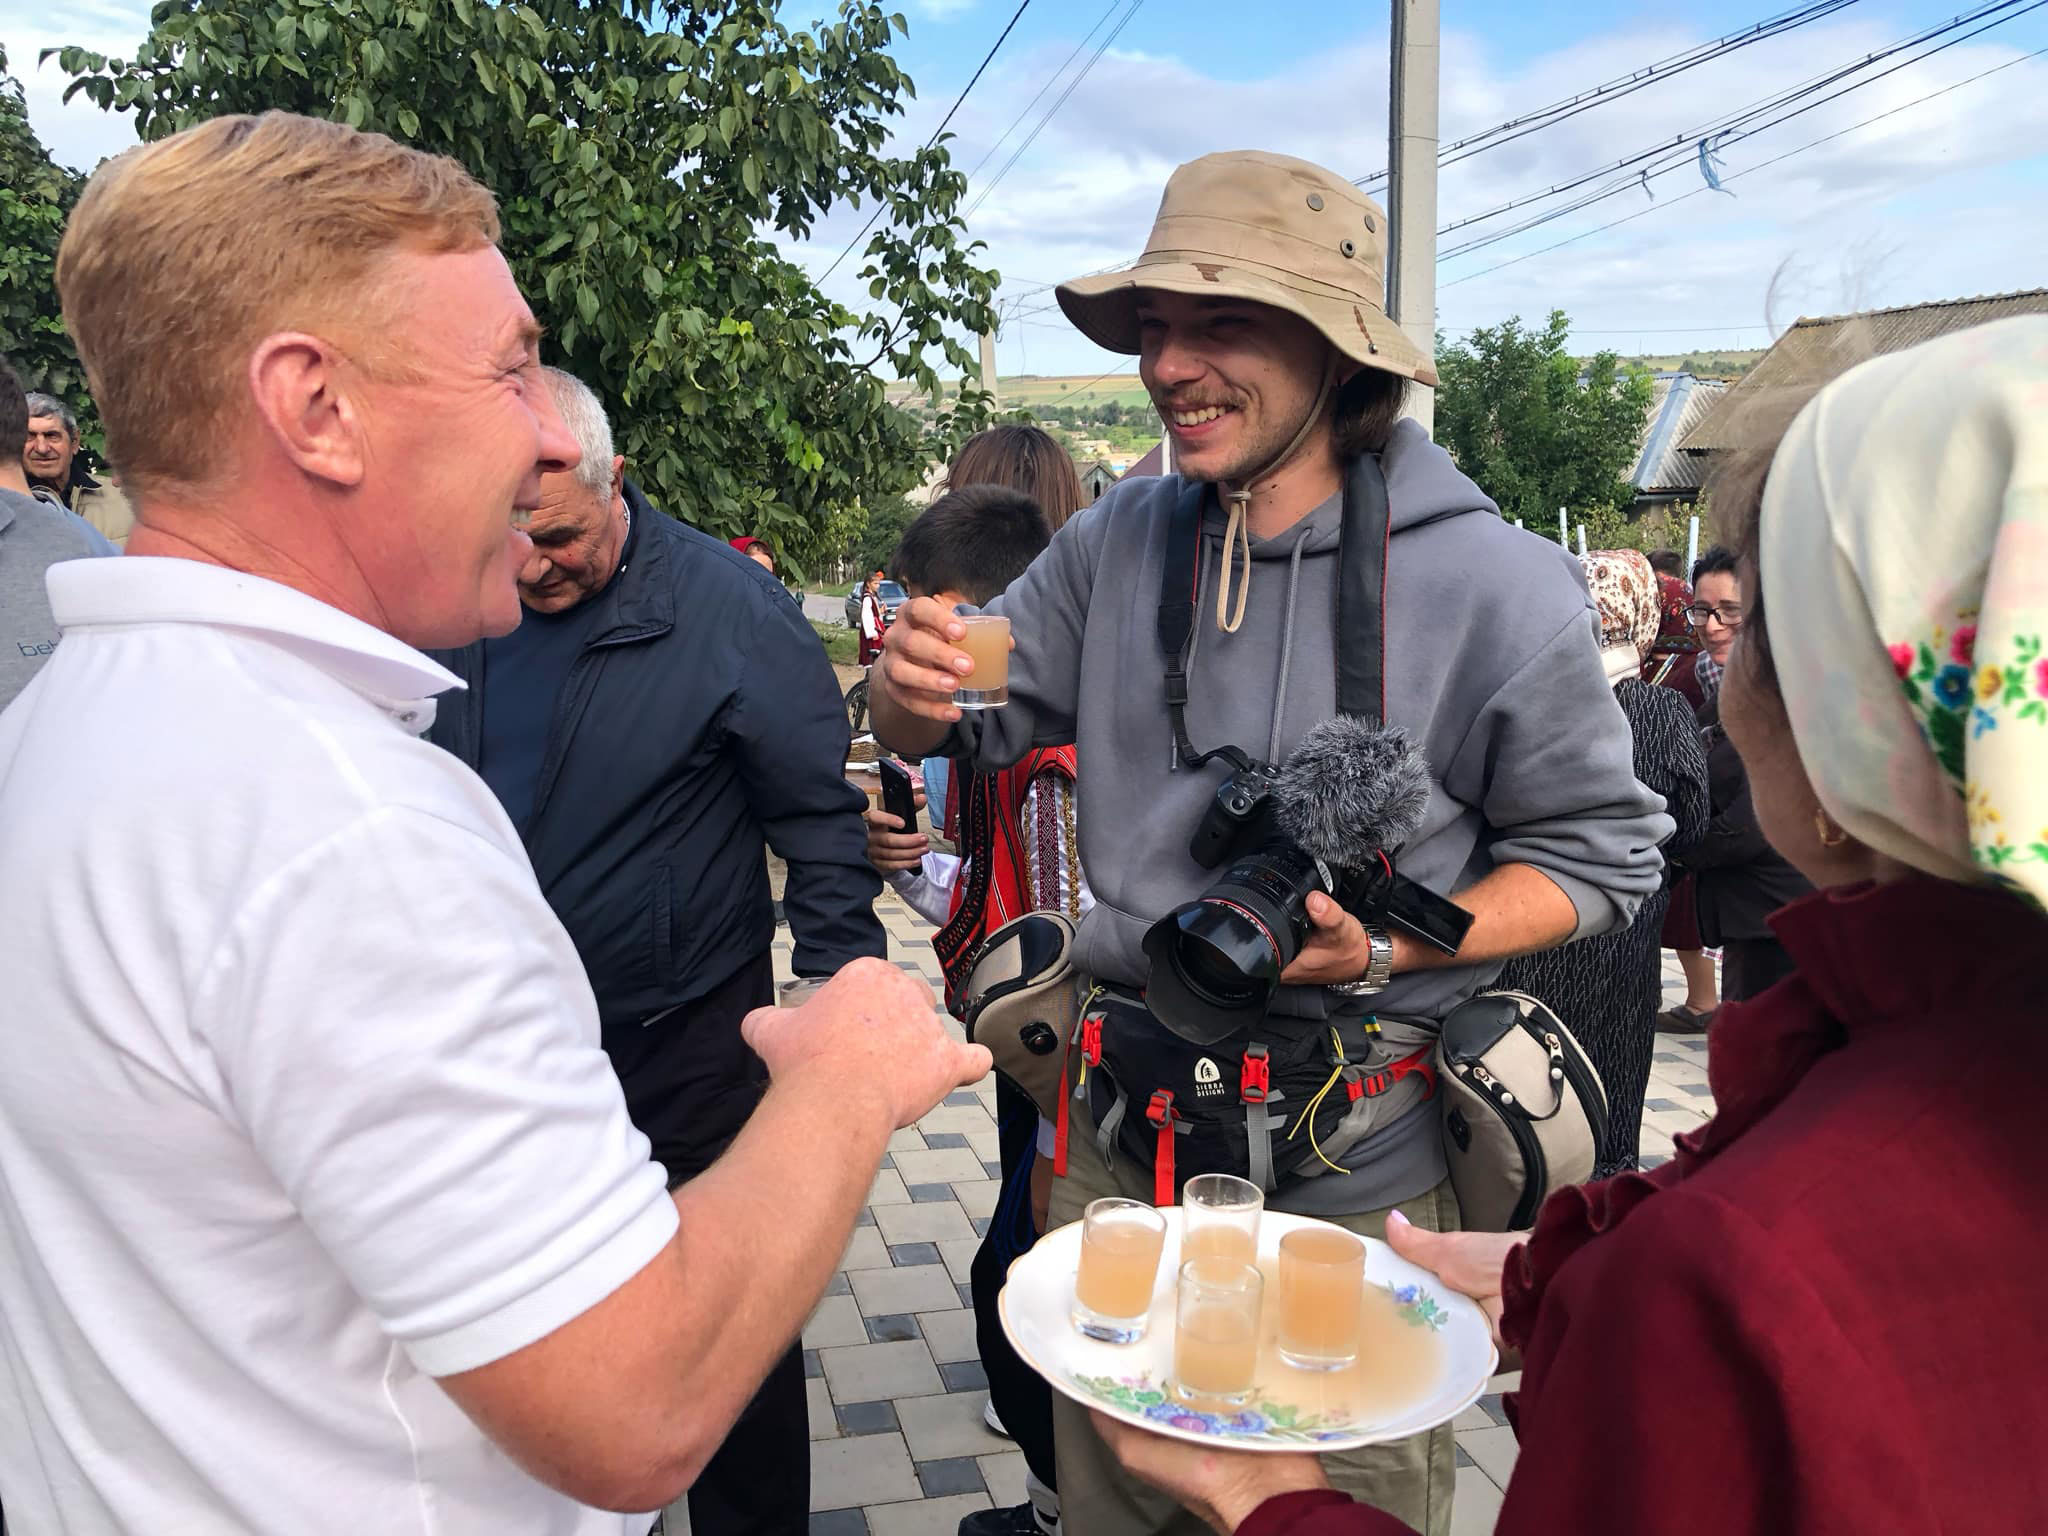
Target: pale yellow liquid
column 1119, row 1261
column 1322, row 1293
column 1216, row 1347
column 1219, row 1241
column 988, row 643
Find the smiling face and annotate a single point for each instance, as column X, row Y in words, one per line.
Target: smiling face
column 48, row 453
column 1720, row 591
column 1231, row 380
column 460, row 427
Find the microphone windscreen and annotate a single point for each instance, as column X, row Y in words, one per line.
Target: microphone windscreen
column 1352, row 787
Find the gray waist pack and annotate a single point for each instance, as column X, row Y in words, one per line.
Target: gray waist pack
column 1523, row 1109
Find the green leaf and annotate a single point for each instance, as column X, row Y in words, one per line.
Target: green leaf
column 586, row 303
column 750, row 176
column 286, row 31
column 652, row 280
column 408, row 122
column 373, row 56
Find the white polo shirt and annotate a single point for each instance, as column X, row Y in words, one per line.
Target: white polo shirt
column 302, row 1102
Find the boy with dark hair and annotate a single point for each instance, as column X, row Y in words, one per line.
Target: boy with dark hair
column 1017, row 838
column 971, row 543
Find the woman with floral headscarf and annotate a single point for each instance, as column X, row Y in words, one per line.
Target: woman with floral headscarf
column 1823, row 1315
column 1607, row 989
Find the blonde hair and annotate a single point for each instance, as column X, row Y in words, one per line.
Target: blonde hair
column 183, row 254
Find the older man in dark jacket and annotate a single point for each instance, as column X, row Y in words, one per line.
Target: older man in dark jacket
column 661, row 717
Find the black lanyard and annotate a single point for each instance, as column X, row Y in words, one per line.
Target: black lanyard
column 1361, row 604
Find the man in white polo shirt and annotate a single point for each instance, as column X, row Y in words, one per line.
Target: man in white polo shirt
column 319, row 1206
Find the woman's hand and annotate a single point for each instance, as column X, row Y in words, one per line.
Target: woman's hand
column 1222, row 1487
column 892, row 849
column 1470, row 1262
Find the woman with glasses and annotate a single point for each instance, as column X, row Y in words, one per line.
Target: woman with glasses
column 1738, row 880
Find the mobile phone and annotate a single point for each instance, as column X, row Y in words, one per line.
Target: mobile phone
column 898, row 798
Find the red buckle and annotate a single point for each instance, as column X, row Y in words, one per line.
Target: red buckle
column 1160, row 1113
column 1355, row 1087
column 1257, row 1079
column 1091, row 1040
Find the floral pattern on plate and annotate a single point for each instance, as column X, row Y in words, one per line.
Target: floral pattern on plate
column 1264, row 1421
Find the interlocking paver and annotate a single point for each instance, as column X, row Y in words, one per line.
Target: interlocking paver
column 947, row 1424
column 942, row 1166
column 935, row 1221
column 837, row 1321
column 869, row 1469
column 949, row 1335
column 927, row 1517
column 920, row 1288
column 867, row 1373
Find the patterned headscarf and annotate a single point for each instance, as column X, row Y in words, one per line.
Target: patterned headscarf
column 1904, row 562
column 1625, row 588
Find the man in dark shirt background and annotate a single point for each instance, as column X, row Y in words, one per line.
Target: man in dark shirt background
column 660, row 718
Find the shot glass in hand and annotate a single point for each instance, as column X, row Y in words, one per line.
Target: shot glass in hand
column 794, row 994
column 1120, row 1246
column 1216, row 1329
column 1322, row 1298
column 988, row 643
column 1220, row 1218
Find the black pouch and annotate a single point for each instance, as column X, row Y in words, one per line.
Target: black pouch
column 1183, row 1111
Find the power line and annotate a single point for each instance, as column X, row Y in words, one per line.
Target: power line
column 1684, row 141
column 1039, row 127
column 1051, row 81
column 1686, row 157
column 1626, row 85
column 1023, row 5
column 1748, row 171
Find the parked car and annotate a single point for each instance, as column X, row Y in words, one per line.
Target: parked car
column 892, row 597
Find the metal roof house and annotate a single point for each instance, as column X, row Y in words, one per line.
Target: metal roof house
column 1815, row 350
column 1664, row 475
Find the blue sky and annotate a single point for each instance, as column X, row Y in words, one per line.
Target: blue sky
column 1947, row 197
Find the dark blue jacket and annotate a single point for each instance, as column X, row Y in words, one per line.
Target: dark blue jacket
column 701, row 719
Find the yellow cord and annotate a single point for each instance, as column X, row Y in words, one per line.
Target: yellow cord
column 1308, row 1115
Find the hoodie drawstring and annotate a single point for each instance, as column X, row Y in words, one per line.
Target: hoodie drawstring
column 1237, row 536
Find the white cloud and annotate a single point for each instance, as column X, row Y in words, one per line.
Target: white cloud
column 944, row 10
column 78, row 134
column 1865, row 219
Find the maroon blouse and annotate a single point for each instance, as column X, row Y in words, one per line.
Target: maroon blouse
column 1826, row 1314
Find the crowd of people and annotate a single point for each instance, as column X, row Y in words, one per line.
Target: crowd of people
column 400, row 1131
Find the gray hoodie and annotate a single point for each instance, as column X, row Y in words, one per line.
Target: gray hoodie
column 1492, row 664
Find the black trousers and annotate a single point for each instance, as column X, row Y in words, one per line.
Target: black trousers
column 1021, row 1398
column 707, row 1082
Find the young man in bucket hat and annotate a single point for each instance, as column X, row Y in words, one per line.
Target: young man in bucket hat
column 1255, row 313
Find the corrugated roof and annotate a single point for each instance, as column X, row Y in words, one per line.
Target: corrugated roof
column 1813, row 350
column 1678, row 403
column 1150, row 464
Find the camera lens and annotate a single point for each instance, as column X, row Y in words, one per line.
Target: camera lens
column 1212, row 975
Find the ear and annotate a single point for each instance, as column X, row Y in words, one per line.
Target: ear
column 296, row 380
column 618, row 476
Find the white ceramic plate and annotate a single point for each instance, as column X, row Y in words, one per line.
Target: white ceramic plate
column 1427, row 1356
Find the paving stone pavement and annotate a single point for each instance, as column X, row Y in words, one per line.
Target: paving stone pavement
column 898, row 1445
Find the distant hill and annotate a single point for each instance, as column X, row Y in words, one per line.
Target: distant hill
column 1705, row 365
column 1034, row 389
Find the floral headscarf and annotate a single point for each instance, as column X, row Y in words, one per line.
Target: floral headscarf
column 1625, row 588
column 1904, row 563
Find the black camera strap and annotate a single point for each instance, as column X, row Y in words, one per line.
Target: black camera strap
column 1361, row 604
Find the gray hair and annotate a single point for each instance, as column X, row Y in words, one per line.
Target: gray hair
column 40, row 404
column 583, row 414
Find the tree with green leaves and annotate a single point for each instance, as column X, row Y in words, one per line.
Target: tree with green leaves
column 1536, row 428
column 36, row 194
column 641, row 151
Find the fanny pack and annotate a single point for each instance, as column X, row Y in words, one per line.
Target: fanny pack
column 1521, row 1107
column 1280, row 1107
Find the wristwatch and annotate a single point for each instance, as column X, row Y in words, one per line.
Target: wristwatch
column 1378, row 971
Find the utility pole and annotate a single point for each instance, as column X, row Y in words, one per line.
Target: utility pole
column 988, row 366
column 1411, row 184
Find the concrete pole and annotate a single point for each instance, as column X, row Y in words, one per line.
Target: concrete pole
column 988, row 366
column 1411, row 184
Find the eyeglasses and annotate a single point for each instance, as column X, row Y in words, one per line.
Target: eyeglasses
column 1729, row 614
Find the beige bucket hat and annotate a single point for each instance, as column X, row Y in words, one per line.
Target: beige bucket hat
column 1269, row 228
